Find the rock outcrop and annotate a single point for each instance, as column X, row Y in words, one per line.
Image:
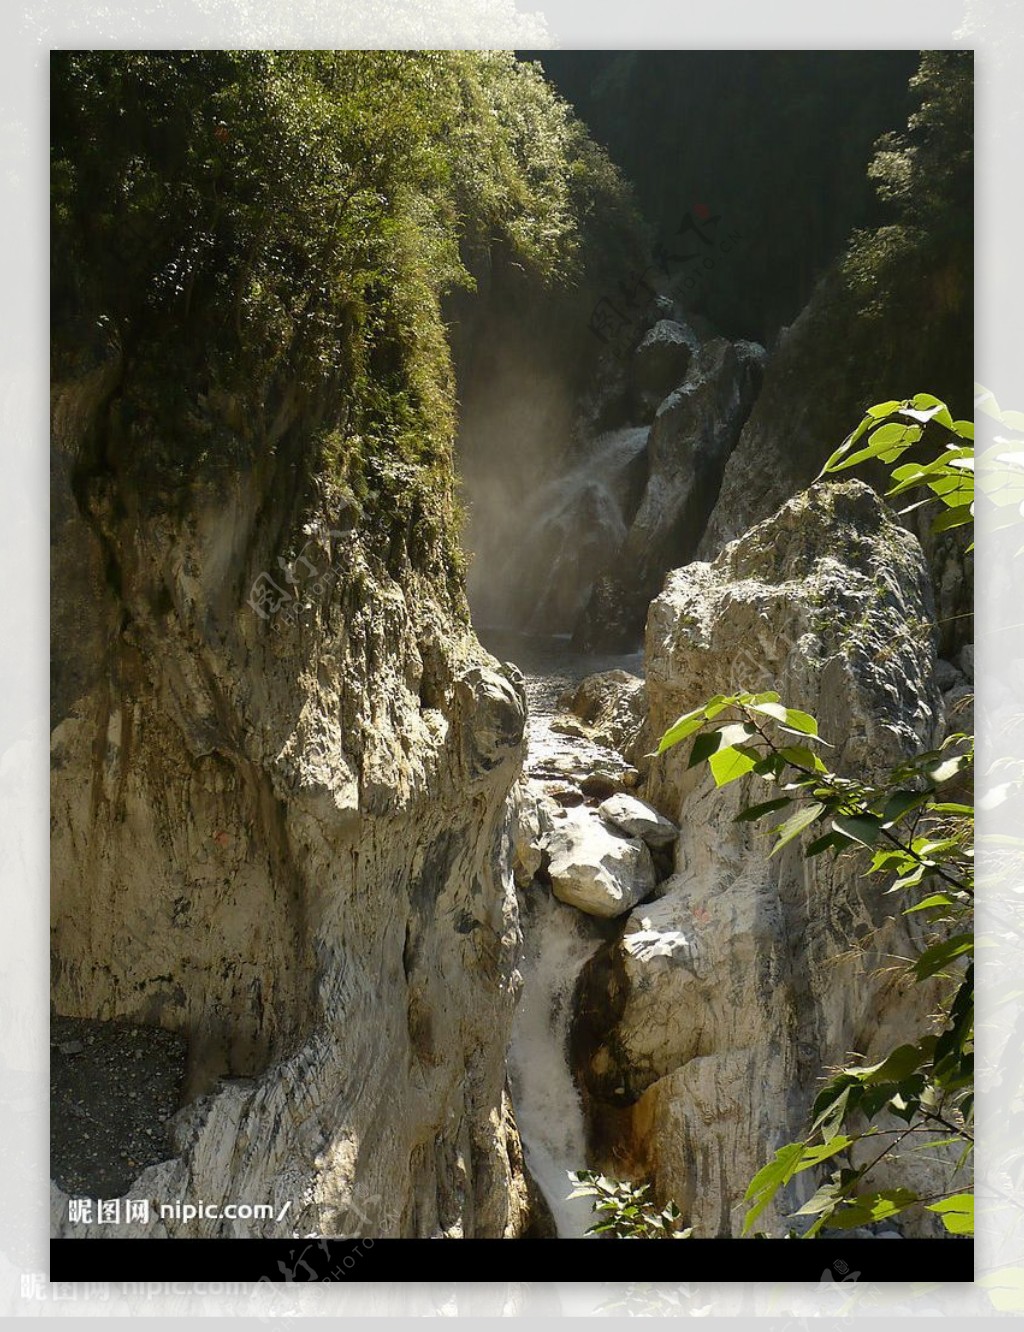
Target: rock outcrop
column 280, row 829
column 731, row 993
column 660, row 363
column 695, row 430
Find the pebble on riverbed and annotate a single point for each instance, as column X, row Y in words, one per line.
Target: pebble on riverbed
column 113, row 1086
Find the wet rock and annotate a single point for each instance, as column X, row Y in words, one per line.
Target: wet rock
column 611, row 706
column 600, row 785
column 596, row 871
column 660, row 363
column 571, row 726
column 694, row 431
column 655, row 978
column 638, row 819
column 533, row 817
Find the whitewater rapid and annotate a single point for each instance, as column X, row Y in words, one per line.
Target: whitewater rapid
column 559, row 941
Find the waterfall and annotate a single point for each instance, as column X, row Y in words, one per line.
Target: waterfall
column 559, row 940
column 567, row 539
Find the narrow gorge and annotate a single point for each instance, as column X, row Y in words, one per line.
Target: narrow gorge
column 384, row 556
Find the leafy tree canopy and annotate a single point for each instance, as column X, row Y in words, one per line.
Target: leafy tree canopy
column 282, row 226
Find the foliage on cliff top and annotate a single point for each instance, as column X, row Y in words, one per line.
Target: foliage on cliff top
column 925, row 177
column 268, row 234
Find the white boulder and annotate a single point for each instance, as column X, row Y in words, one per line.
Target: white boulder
column 596, row 871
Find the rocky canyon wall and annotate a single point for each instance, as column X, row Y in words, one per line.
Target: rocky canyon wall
column 702, row 1032
column 279, row 829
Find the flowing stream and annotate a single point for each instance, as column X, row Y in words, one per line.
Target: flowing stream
column 558, row 939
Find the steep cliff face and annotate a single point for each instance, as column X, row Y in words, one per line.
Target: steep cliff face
column 279, row 828
column 727, row 996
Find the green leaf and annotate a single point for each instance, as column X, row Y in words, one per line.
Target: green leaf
column 910, row 879
column 900, row 803
column 929, row 848
column 891, row 858
column 679, row 730
column 863, row 828
column 728, row 764
column 737, row 733
column 927, row 407
column 959, row 516
column 868, row 1207
column 771, row 709
column 826, row 843
column 939, row 955
column 769, row 1179
column 914, row 474
column 796, row 823
column 771, row 765
column 832, row 1103
column 887, row 443
column 936, row 900
column 703, row 747
column 821, row 1203
column 957, row 1213
column 823, row 1152
column 903, row 1061
column 948, row 768
column 753, row 812
column 790, row 719
column 802, row 757
column 801, row 721
column 834, row 459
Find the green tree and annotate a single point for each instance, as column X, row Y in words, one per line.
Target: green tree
column 267, row 237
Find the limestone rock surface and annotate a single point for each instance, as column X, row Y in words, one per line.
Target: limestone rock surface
column 281, row 764
column 638, row 819
column 749, row 976
column 594, row 869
